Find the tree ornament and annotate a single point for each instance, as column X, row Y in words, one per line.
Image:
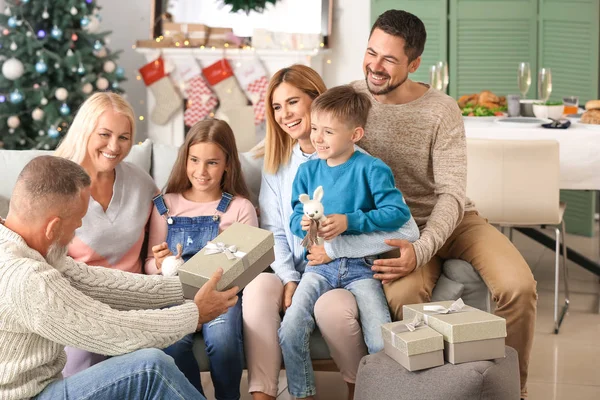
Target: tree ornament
column 56, row 32
column 87, row 88
column 64, row 109
column 115, row 85
column 7, row 12
column 69, row 53
column 56, row 65
column 101, row 53
column 45, row 14
column 85, row 21
column 41, row 133
column 81, row 69
column 61, row 94
column 41, row 67
column 16, row 97
column 102, row 83
column 53, row 132
column 13, row 122
column 24, row 1
column 98, row 45
column 28, row 33
column 37, row 114
column 109, row 67
column 12, row 69
column 120, row 72
column 93, row 26
column 40, row 34
column 12, row 22
column 2, row 98
column 43, row 101
column 74, row 37
column 13, row 46
column 73, row 11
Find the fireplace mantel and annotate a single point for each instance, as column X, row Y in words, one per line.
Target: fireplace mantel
column 173, row 131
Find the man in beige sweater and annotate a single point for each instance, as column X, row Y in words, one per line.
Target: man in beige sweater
column 419, row 133
column 49, row 301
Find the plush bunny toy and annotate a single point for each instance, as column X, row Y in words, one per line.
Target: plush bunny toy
column 314, row 210
column 171, row 264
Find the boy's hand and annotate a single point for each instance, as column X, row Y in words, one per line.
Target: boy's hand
column 334, row 225
column 305, row 223
column 161, row 251
column 317, row 256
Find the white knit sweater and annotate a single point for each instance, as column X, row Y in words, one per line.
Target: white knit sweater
column 105, row 311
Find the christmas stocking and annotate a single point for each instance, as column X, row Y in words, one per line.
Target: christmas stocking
column 253, row 78
column 201, row 100
column 221, row 78
column 167, row 98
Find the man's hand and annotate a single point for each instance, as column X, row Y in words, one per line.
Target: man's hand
column 305, row 223
column 334, row 225
column 161, row 251
column 317, row 255
column 288, row 292
column 212, row 303
column 388, row 270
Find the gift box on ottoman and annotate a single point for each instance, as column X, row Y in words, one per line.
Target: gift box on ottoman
column 469, row 334
column 413, row 345
column 243, row 252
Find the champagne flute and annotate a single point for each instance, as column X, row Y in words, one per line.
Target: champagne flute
column 524, row 78
column 443, row 68
column 545, row 84
column 435, row 77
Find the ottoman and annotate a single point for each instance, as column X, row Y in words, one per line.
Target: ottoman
column 381, row 378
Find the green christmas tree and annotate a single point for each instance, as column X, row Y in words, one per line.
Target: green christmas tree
column 53, row 56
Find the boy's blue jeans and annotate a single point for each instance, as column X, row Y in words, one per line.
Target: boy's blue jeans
column 225, row 350
column 143, row 374
column 353, row 274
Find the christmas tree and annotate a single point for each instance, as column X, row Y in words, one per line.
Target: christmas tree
column 53, row 56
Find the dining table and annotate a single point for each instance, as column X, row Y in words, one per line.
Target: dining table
column 579, row 152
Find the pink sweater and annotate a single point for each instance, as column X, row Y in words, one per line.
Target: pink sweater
column 239, row 210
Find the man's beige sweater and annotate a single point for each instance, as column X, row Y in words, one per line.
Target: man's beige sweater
column 423, row 142
column 105, row 311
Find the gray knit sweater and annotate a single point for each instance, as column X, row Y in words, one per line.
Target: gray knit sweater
column 105, row 311
column 424, row 144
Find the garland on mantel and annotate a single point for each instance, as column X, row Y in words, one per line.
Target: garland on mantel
column 249, row 5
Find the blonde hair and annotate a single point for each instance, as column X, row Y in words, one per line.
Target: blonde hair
column 74, row 145
column 278, row 144
column 217, row 132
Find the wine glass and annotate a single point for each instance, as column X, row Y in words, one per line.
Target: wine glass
column 443, row 68
column 545, row 84
column 524, row 78
column 435, row 77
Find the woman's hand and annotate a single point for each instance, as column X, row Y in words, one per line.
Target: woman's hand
column 161, row 251
column 288, row 293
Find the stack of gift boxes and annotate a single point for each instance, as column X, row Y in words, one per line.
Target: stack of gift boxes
column 433, row 332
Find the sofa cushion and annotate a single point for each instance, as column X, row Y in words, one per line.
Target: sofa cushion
column 3, row 207
column 141, row 155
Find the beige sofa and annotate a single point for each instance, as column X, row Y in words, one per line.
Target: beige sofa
column 457, row 280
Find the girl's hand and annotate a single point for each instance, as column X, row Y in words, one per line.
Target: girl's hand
column 305, row 223
column 288, row 293
column 161, row 251
column 334, row 225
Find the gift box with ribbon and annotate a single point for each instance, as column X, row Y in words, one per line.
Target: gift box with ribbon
column 413, row 344
column 243, row 251
column 469, row 334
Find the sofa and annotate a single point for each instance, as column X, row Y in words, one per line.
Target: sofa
column 458, row 278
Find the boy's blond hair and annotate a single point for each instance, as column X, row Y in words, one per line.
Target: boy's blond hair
column 344, row 103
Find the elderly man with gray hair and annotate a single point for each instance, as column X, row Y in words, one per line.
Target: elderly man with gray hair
column 49, row 301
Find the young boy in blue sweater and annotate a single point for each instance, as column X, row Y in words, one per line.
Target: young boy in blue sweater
column 359, row 197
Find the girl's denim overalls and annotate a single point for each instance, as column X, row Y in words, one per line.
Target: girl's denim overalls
column 223, row 335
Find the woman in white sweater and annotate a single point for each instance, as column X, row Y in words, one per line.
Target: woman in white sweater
column 49, row 301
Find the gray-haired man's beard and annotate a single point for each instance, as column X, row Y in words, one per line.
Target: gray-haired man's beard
column 56, row 254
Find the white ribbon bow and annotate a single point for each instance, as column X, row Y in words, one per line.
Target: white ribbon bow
column 457, row 306
column 231, row 252
column 416, row 323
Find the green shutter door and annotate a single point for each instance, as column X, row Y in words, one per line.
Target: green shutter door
column 434, row 14
column 569, row 44
column 488, row 39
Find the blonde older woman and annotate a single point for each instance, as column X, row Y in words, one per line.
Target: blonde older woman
column 113, row 230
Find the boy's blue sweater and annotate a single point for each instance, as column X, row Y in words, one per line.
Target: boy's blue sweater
column 362, row 188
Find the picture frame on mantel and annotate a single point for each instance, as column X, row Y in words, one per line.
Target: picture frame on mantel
column 159, row 7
